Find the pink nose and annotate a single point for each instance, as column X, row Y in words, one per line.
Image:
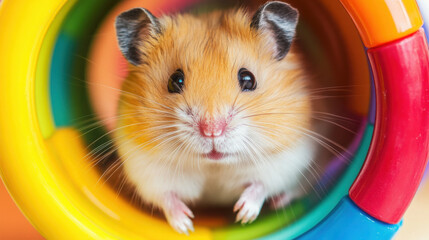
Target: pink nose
column 210, row 128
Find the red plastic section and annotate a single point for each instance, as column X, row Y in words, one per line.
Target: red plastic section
column 399, row 150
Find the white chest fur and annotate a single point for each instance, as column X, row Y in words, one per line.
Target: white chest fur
column 213, row 182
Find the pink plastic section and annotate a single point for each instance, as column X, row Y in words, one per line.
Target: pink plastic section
column 397, row 157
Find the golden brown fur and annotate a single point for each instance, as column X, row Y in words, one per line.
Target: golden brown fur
column 211, row 49
column 263, row 147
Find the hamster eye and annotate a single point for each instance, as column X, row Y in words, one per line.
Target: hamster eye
column 247, row 80
column 176, row 82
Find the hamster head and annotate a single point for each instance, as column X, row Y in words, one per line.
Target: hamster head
column 223, row 87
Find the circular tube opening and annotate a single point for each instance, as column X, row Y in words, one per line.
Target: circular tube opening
column 86, row 70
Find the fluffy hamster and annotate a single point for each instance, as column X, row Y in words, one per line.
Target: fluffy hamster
column 215, row 110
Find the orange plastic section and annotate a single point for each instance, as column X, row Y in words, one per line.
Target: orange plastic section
column 383, row 21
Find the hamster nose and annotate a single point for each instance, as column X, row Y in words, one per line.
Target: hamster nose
column 210, row 128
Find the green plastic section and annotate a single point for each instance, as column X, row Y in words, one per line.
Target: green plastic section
column 279, row 221
column 69, row 94
column 263, row 225
column 43, row 105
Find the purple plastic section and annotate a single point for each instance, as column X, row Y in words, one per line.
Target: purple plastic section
column 340, row 162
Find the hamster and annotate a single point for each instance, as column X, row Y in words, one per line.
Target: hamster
column 215, row 110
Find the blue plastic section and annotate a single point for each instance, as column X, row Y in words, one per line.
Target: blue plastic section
column 60, row 73
column 348, row 222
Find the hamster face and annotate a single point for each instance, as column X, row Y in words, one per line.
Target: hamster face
column 209, row 89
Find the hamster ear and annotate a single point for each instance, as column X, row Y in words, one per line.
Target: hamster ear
column 278, row 20
column 132, row 27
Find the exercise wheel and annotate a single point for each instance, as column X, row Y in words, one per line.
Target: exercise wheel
column 42, row 155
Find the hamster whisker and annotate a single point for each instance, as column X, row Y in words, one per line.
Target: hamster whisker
column 112, row 147
column 103, row 85
column 168, row 138
column 96, row 150
column 253, row 105
column 308, row 181
column 344, row 88
column 321, row 139
column 246, row 106
column 168, row 162
column 262, row 104
column 98, row 123
column 182, row 149
column 280, row 147
column 155, row 102
column 141, row 107
column 133, row 151
column 312, row 171
column 81, row 120
column 321, row 97
column 116, row 165
column 335, row 123
column 315, row 138
column 265, row 156
column 317, row 176
column 114, row 130
column 130, row 94
column 253, row 157
column 293, row 113
column 336, row 116
column 186, row 101
column 102, row 149
column 266, row 114
column 303, row 175
column 159, row 112
column 326, row 115
column 120, row 128
column 277, row 146
column 235, row 100
column 121, row 186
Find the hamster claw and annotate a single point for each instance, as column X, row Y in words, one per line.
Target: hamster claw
column 250, row 203
column 184, row 226
column 248, row 212
column 180, row 222
column 178, row 215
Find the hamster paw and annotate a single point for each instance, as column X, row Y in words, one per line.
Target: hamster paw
column 250, row 203
column 178, row 214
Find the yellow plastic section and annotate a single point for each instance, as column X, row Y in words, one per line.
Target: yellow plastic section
column 98, row 206
column 23, row 153
column 383, row 21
